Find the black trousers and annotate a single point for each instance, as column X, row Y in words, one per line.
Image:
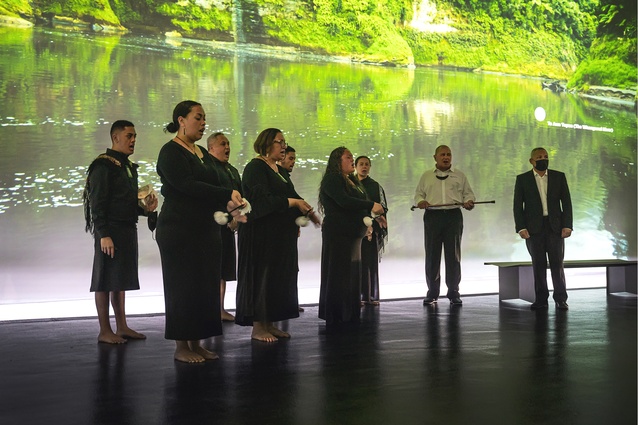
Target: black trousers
column 543, row 246
column 443, row 230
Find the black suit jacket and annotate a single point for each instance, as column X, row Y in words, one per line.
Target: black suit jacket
column 528, row 209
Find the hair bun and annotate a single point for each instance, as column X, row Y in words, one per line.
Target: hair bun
column 171, row 127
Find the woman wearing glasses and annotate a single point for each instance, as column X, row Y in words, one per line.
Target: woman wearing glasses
column 267, row 269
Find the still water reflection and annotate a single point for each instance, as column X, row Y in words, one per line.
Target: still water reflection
column 60, row 92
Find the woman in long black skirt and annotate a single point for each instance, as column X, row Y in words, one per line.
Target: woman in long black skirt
column 374, row 241
column 343, row 202
column 188, row 238
column 267, row 269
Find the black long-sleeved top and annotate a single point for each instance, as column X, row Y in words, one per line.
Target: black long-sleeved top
column 190, row 185
column 228, row 175
column 377, row 194
column 268, row 191
column 112, row 192
column 344, row 206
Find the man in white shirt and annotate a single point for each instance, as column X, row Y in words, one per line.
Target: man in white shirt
column 441, row 192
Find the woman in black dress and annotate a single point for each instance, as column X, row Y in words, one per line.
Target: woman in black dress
column 188, row 237
column 267, row 269
column 371, row 245
column 344, row 205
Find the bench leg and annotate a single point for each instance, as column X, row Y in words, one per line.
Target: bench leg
column 621, row 279
column 516, row 282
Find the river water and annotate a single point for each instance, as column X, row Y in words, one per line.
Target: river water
column 60, row 92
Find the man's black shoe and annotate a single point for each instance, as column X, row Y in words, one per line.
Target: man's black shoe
column 456, row 301
column 429, row 301
column 562, row 305
column 538, row 306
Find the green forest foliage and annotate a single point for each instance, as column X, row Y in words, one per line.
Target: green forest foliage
column 363, row 29
column 98, row 11
column 602, row 34
column 15, row 8
column 612, row 56
column 517, row 52
column 617, row 18
column 590, row 42
column 572, row 18
column 611, row 62
column 191, row 18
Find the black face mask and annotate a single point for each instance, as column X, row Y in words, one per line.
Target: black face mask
column 541, row 164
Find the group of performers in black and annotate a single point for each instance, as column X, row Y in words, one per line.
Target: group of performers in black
column 198, row 253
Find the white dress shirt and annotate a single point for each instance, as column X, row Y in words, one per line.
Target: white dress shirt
column 541, row 183
column 454, row 189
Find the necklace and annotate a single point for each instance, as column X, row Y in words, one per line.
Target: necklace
column 272, row 165
column 183, row 143
column 192, row 149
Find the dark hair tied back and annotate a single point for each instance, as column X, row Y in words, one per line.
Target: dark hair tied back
column 182, row 109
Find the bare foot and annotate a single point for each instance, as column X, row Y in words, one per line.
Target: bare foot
column 227, row 317
column 129, row 333
column 261, row 335
column 278, row 332
column 110, row 338
column 374, row 303
column 206, row 354
column 301, row 310
column 187, row 356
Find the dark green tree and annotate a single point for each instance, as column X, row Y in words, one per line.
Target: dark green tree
column 617, row 18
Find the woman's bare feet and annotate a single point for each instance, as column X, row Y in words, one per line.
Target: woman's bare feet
column 129, row 333
column 206, row 354
column 261, row 333
column 109, row 337
column 183, row 353
column 278, row 332
column 227, row 317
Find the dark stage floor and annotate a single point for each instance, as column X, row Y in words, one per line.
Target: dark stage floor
column 482, row 363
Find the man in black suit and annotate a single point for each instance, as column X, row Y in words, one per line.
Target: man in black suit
column 543, row 217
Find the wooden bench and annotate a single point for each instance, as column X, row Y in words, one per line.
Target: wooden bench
column 516, row 278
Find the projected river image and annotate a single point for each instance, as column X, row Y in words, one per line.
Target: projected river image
column 61, row 91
